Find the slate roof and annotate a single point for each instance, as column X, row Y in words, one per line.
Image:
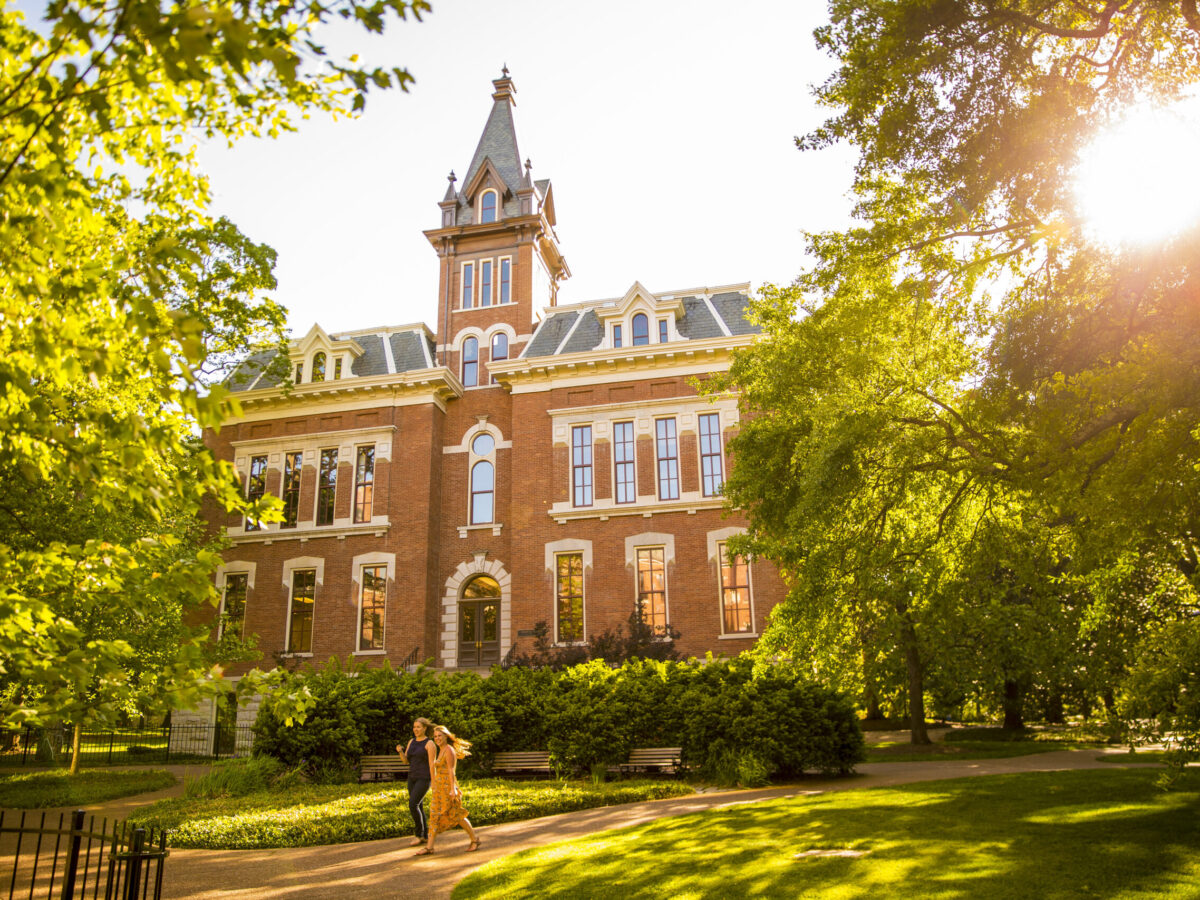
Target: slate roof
column 696, row 323
column 407, row 354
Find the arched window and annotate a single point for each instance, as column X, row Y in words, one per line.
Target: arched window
column 499, row 348
column 487, row 207
column 641, row 330
column 483, row 492
column 470, row 362
column 318, row 367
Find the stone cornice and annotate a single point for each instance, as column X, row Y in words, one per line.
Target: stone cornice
column 436, row 385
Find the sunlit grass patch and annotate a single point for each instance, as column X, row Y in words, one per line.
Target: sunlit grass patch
column 308, row 815
column 896, row 751
column 44, row 790
column 1108, row 833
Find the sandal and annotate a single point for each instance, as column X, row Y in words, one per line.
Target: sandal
column 424, row 851
column 474, row 846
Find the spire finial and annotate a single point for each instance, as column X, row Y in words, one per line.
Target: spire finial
column 528, row 164
column 504, row 70
column 452, row 177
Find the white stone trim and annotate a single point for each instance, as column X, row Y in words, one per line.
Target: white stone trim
column 387, row 353
column 649, row 539
column 553, row 550
column 715, row 538
column 707, row 298
column 719, row 536
column 290, row 566
column 479, row 565
column 567, row 336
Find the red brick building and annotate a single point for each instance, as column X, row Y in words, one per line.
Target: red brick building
column 528, row 462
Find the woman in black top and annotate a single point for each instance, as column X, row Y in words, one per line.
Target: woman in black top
column 419, row 755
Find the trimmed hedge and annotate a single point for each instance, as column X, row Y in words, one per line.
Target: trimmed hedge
column 737, row 721
column 310, row 815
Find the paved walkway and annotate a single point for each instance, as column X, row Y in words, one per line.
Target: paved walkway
column 387, row 868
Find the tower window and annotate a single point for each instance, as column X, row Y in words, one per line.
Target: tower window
column 487, row 207
column 483, row 492
column 318, row 368
column 485, row 283
column 470, row 362
column 499, row 348
column 506, row 280
column 468, row 285
column 641, row 330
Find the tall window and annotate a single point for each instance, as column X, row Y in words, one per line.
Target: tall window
column 327, row 486
column 318, row 368
column 304, row 591
column 299, row 372
column 364, row 484
column 641, row 330
column 470, row 362
column 711, row 473
column 624, row 462
column 505, row 280
column 233, row 605
column 662, row 331
column 617, row 336
column 735, row 593
column 337, row 368
column 483, row 480
column 487, row 208
column 256, row 486
column 581, row 464
column 468, row 285
column 652, row 588
column 667, row 448
column 569, row 595
column 499, row 348
column 485, row 283
column 292, row 464
column 374, row 594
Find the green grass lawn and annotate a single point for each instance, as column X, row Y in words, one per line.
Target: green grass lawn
column 41, row 790
column 1058, row 835
column 307, row 815
column 902, row 751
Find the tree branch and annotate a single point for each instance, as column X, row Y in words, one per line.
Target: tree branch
column 1100, row 30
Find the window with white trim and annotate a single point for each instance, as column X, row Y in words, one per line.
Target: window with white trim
column 712, row 474
column 233, row 605
column 581, row 465
column 256, row 486
column 640, row 327
column 483, row 480
column 652, row 588
column 292, row 467
column 468, row 285
column 318, row 367
column 667, row 454
column 364, row 484
column 662, row 331
column 337, row 368
column 506, row 279
column 617, row 336
column 300, row 611
column 568, row 593
column 499, row 349
column 485, row 283
column 470, row 362
column 737, row 614
column 487, row 208
column 624, row 463
column 372, row 600
column 327, row 486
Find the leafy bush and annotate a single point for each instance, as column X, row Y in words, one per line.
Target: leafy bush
column 235, row 778
column 1161, row 696
column 587, row 716
column 311, row 815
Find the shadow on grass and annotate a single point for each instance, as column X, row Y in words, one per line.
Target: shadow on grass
column 1053, row 835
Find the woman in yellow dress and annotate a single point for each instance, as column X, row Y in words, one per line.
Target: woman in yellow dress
column 445, row 808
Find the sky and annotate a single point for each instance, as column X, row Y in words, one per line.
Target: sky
column 666, row 127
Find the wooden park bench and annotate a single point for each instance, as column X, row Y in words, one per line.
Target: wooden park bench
column 388, row 764
column 663, row 760
column 524, row 762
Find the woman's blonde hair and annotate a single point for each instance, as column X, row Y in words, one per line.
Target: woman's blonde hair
column 424, row 721
column 461, row 747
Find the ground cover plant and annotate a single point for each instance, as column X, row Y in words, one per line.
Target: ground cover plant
column 311, row 814
column 1108, row 833
column 904, row 751
column 43, row 790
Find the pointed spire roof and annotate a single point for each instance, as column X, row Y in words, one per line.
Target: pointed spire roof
column 498, row 143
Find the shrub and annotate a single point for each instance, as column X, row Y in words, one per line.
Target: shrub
column 235, row 778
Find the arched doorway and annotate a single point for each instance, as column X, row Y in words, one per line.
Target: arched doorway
column 479, row 622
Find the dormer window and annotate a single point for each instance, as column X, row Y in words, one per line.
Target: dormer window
column 641, row 330
column 337, row 368
column 487, row 207
column 617, row 336
column 299, row 372
column 662, row 331
column 318, row 367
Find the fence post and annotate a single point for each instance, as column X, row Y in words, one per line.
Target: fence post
column 25, row 751
column 71, row 865
column 133, row 871
column 217, row 739
column 167, row 731
column 112, row 736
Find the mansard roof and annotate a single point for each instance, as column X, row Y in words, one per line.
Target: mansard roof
column 409, row 348
column 699, row 314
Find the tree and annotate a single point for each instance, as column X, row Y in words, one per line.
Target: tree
column 966, row 356
column 118, row 294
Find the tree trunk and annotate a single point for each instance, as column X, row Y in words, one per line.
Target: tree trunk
column 916, row 683
column 1014, row 719
column 1055, row 714
column 76, row 740
column 870, row 692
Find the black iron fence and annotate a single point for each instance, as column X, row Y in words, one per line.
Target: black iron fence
column 66, row 860
column 126, row 747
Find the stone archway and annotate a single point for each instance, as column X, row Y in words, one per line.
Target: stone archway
column 453, row 594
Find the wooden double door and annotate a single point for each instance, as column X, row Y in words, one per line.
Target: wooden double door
column 479, row 623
